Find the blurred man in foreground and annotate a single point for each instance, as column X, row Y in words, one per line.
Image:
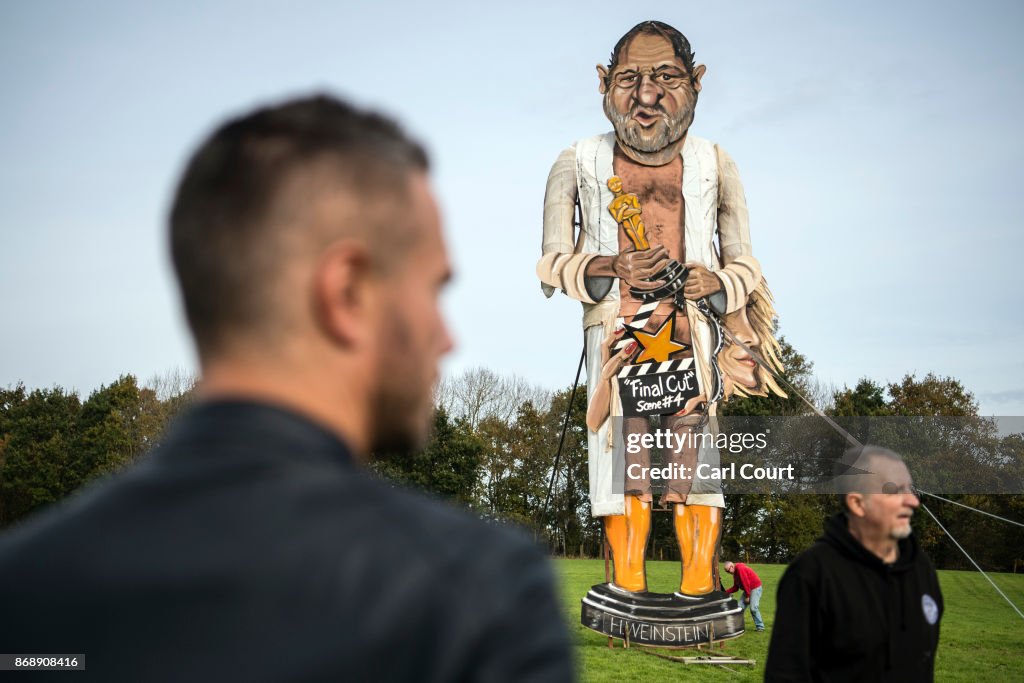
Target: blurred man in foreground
column 863, row 603
column 252, row 545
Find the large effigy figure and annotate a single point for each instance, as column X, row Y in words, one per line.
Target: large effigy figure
column 662, row 257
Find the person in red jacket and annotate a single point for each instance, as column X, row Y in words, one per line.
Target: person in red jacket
column 744, row 578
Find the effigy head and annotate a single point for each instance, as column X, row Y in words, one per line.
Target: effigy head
column 650, row 87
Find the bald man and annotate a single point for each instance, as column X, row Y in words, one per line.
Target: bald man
column 864, row 602
column 252, row 545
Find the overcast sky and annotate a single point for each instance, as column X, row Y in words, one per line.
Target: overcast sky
column 879, row 144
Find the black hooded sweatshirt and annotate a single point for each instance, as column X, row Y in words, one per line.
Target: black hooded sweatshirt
column 844, row 615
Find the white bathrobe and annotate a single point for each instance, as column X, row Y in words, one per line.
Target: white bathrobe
column 715, row 210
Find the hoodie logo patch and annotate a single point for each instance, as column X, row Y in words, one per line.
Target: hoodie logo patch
column 930, row 609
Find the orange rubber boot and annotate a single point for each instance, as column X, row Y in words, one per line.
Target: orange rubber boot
column 617, row 534
column 627, row 535
column 698, row 528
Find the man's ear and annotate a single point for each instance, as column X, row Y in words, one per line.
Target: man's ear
column 698, row 73
column 343, row 293
column 602, row 73
column 855, row 504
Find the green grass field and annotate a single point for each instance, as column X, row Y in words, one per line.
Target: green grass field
column 982, row 638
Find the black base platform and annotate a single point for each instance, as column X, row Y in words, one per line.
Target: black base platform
column 661, row 619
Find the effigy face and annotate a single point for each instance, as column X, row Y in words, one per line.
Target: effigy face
column 649, row 116
column 751, row 331
column 676, row 316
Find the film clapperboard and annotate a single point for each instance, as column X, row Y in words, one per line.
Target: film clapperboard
column 652, row 387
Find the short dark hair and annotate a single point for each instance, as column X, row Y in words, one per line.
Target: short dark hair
column 680, row 45
column 858, row 454
column 225, row 241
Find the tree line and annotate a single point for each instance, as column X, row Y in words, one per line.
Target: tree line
column 493, row 449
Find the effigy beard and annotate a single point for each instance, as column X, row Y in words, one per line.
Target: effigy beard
column 630, row 133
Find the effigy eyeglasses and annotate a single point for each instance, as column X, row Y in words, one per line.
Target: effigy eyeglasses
column 666, row 77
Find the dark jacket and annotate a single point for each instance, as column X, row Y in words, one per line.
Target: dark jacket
column 844, row 615
column 250, row 547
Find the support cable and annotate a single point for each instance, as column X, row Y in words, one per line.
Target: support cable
column 565, row 426
column 998, row 590
column 947, row 500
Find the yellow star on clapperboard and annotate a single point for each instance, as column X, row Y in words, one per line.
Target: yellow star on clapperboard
column 659, row 346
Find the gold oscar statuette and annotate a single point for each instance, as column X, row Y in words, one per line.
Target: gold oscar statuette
column 625, row 209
